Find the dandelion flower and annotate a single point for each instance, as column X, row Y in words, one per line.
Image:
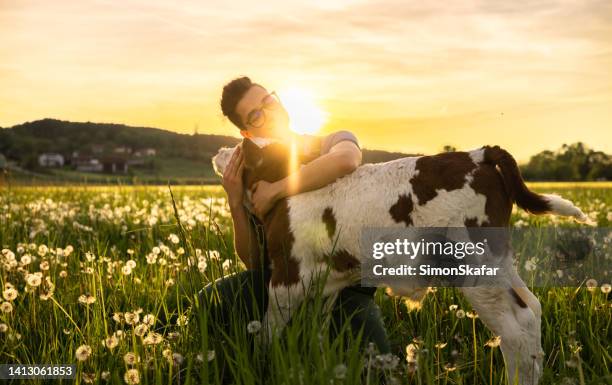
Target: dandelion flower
column 440, row 345
column 9, row 294
column 87, row 299
column 226, row 264
column 132, row 376
column 411, row 351
column 126, row 270
column 173, row 336
column 210, row 355
column 111, row 342
column 153, row 338
column 177, row 358
column 460, row 313
column 33, row 280
column 173, row 238
column 131, row 318
column 530, row 265
column 130, row 358
column 141, row 329
column 388, row 361
column 3, row 328
column 254, row 327
column 202, row 265
column 493, row 342
column 151, row 258
column 119, row 334
column 340, row 371
column 182, row 320
column 605, row 288
column 6, row 307
column 149, row 319
column 83, row 352
column 453, row 307
column 25, row 259
column 591, row 284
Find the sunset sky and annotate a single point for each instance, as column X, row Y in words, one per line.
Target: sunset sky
column 527, row 75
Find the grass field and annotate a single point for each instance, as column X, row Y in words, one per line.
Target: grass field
column 91, row 274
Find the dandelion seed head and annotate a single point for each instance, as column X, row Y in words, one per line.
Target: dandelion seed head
column 83, row 352
column 132, row 376
column 254, row 327
column 340, row 371
column 6, row 307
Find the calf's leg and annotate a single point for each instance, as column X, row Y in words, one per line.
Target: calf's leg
column 507, row 315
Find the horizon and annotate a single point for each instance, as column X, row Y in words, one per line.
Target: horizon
column 463, row 74
column 522, row 162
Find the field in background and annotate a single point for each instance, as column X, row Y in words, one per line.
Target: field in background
column 102, row 277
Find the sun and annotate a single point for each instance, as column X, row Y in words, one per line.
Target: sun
column 306, row 117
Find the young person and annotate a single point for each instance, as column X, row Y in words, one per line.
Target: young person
column 259, row 113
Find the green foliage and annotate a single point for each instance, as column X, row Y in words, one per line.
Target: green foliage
column 574, row 162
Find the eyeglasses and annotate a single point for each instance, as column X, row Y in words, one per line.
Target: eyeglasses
column 257, row 117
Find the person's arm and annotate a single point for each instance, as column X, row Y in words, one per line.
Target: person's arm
column 343, row 158
column 245, row 238
column 340, row 159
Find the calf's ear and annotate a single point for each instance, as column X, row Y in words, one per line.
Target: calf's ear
column 253, row 155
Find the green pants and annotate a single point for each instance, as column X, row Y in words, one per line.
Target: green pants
column 246, row 294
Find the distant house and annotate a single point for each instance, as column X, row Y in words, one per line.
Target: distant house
column 87, row 163
column 50, row 159
column 122, row 150
column 115, row 165
column 97, row 149
column 144, row 152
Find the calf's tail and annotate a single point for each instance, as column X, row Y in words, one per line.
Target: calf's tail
column 526, row 199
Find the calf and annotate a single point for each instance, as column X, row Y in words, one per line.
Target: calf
column 319, row 231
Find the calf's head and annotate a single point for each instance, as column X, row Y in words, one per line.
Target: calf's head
column 264, row 159
column 269, row 162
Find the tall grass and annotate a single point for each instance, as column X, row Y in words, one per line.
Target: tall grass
column 109, row 257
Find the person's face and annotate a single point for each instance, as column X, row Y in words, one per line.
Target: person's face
column 262, row 114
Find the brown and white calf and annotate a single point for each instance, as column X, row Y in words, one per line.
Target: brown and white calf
column 319, row 231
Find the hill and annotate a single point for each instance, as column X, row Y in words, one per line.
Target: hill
column 179, row 158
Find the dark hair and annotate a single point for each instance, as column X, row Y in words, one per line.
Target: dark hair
column 232, row 93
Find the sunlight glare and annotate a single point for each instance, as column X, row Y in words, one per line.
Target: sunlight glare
column 306, row 117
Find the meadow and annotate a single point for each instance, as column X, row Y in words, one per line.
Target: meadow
column 105, row 277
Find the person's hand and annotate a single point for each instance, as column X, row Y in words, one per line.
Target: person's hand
column 263, row 197
column 232, row 179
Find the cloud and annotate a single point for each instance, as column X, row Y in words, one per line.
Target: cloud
column 391, row 61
